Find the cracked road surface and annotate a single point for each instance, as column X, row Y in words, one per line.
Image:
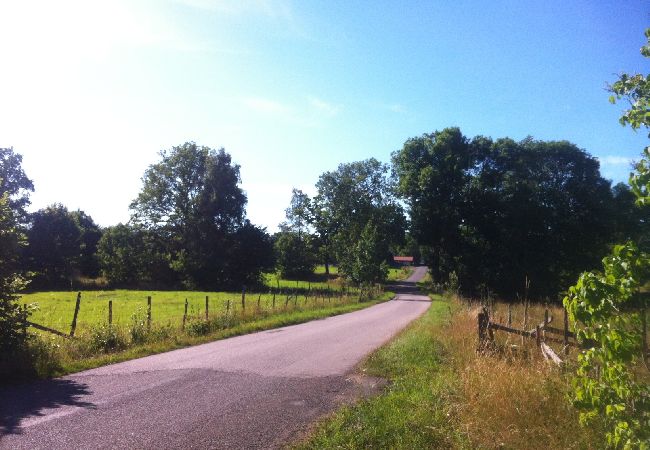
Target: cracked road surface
column 254, row 391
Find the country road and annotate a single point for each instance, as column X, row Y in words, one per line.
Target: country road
column 254, row 391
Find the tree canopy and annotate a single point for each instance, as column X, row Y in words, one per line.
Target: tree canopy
column 495, row 213
column 357, row 216
column 194, row 209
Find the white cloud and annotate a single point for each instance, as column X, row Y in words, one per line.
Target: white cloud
column 265, row 105
column 613, row 160
column 323, row 106
column 274, row 9
column 397, row 108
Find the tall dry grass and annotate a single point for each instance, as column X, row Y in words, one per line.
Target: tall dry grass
column 511, row 397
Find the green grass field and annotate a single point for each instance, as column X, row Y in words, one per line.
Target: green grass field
column 55, row 309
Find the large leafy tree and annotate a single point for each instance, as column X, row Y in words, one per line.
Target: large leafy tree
column 53, row 250
column 15, row 183
column 14, row 198
column 89, row 235
column 294, row 246
column 192, row 204
column 125, row 255
column 12, row 339
column 359, row 218
column 433, row 176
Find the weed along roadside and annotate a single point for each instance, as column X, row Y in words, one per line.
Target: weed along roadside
column 442, row 393
column 109, row 327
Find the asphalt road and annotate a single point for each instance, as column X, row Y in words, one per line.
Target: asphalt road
column 254, row 391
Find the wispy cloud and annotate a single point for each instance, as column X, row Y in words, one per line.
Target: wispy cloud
column 274, row 9
column 323, row 106
column 265, row 105
column 397, row 108
column 613, row 160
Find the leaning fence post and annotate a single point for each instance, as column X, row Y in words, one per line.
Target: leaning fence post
column 148, row 312
column 483, row 325
column 73, row 327
column 206, row 308
column 110, row 312
column 509, row 314
column 566, row 331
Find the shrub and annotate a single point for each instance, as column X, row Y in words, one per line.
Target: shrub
column 107, row 338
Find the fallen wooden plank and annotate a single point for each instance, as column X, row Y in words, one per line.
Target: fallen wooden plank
column 549, row 354
column 49, row 330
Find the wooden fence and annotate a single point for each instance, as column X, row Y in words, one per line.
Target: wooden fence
column 542, row 333
column 319, row 296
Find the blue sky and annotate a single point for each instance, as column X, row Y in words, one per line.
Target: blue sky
column 91, row 91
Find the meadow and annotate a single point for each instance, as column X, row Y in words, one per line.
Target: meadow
column 55, row 309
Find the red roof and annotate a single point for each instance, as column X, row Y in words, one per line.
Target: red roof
column 403, row 259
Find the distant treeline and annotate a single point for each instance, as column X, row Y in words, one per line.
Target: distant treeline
column 485, row 215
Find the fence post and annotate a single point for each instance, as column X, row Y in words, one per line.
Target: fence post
column 509, row 314
column 228, row 305
column 259, row 297
column 483, row 325
column 110, row 312
column 274, row 300
column 73, row 327
column 538, row 336
column 243, row 299
column 24, row 317
column 148, row 312
column 206, row 308
column 184, row 315
column 566, row 331
column 644, row 335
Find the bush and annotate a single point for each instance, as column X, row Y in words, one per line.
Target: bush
column 198, row 328
column 138, row 329
column 107, row 338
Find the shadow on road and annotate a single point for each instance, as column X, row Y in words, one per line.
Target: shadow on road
column 23, row 401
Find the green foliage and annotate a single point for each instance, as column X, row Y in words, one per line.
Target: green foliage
column 61, row 244
column 122, row 255
column 138, row 328
column 12, row 316
column 15, row 184
column 365, row 260
column 610, row 308
column 295, row 257
column 635, row 88
column 106, row 338
column 357, row 218
column 607, row 307
column 193, row 209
